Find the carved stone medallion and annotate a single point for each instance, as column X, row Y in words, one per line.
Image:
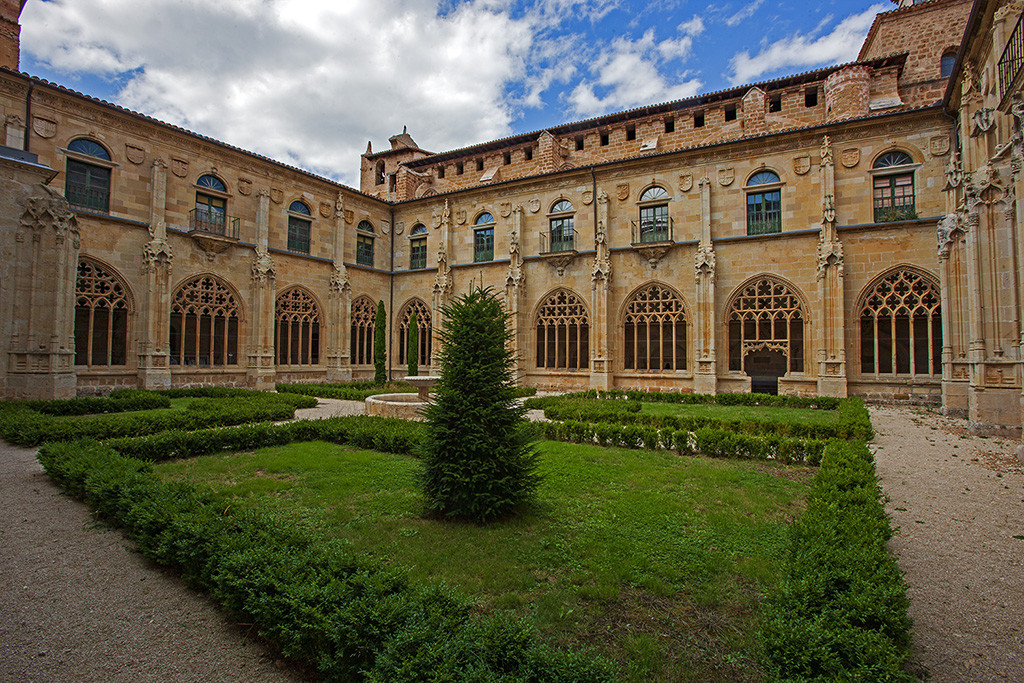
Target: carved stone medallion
column 588, row 197
column 276, row 195
column 685, row 182
column 850, row 157
column 326, row 209
column 385, row 227
column 460, row 216
column 179, row 167
column 136, row 155
column 938, row 145
column 435, row 218
column 622, row 191
column 726, row 176
column 533, row 205
column 350, row 215
column 505, row 209
column 802, row 164
column 44, row 128
column 244, row 187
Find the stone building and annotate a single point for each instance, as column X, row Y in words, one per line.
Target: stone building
column 778, row 236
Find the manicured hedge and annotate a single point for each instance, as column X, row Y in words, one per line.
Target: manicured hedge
column 25, row 427
column 349, row 616
column 752, row 399
column 347, row 391
column 126, row 400
column 839, row 612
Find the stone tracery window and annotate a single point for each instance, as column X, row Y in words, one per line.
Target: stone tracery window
column 297, row 328
column 901, row 326
column 563, row 333
column 423, row 324
column 654, row 330
column 102, row 307
column 204, row 323
column 766, row 315
column 364, row 316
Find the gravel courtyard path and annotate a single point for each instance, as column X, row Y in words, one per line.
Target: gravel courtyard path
column 78, row 604
column 958, row 500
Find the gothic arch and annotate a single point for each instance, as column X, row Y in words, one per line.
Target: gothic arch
column 654, row 321
column 900, row 316
column 767, row 314
column 424, row 325
column 298, row 323
column 362, row 321
column 562, row 326
column 104, row 308
column 205, row 317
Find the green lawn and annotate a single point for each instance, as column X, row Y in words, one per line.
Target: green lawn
column 803, row 415
column 177, row 404
column 654, row 560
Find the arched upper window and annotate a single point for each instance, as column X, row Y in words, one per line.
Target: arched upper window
column 483, row 238
column 561, row 227
column 364, row 316
column 419, row 229
column 300, row 226
column 204, row 323
column 297, row 328
column 87, row 184
column 418, row 247
column 102, row 307
column 563, row 333
column 211, row 212
column 893, row 193
column 766, row 318
column 424, row 342
column 764, row 206
column 654, row 225
column 901, row 326
column 946, row 63
column 364, row 243
column 654, row 330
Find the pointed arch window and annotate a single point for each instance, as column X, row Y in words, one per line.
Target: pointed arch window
column 766, row 315
column 764, row 204
column 364, row 316
column 300, row 221
column 204, row 323
column 297, row 328
column 423, row 326
column 102, row 307
column 893, row 187
column 654, row 225
column 901, row 326
column 654, row 330
column 87, row 176
column 563, row 333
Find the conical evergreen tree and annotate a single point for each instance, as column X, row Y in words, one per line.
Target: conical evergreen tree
column 380, row 351
column 414, row 345
column 479, row 464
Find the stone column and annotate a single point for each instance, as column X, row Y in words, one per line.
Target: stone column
column 515, row 281
column 952, row 267
column 41, row 349
column 1017, row 183
column 261, row 370
column 601, row 376
column 339, row 296
column 443, row 282
column 705, row 374
column 832, row 310
column 154, row 303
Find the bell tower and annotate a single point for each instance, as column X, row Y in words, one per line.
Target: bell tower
column 10, row 32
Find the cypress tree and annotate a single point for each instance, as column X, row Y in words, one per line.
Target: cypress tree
column 479, row 464
column 414, row 345
column 380, row 352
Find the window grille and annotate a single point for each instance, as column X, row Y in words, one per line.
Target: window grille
column 563, row 333
column 297, row 328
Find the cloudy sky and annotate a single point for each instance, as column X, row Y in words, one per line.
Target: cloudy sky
column 308, row 82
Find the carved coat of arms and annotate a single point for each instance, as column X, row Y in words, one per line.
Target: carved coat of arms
column 179, row 167
column 938, row 145
column 505, row 209
column 136, row 155
column 533, row 205
column 588, row 197
column 276, row 195
column 726, row 176
column 850, row 157
column 686, row 182
column 44, row 128
column 622, row 191
column 802, row 164
column 326, row 209
column 460, row 216
column 244, row 187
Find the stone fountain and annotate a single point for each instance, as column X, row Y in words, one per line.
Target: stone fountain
column 405, row 406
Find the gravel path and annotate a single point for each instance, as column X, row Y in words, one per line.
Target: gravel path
column 331, row 407
column 78, row 604
column 958, row 500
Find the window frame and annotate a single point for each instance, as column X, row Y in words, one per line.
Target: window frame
column 771, row 222
column 299, row 222
column 365, row 236
column 891, row 210
column 562, row 222
column 91, row 166
column 483, row 237
column 653, row 223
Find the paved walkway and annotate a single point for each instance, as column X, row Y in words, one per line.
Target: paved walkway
column 958, row 501
column 78, row 604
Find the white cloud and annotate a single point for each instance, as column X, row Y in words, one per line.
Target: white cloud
column 744, row 13
column 629, row 73
column 841, row 45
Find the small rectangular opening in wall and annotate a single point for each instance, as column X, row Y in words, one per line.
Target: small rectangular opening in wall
column 579, row 142
column 604, row 139
column 392, row 182
column 775, row 103
column 698, row 120
column 811, row 97
column 506, row 158
column 440, row 171
column 730, row 112
column 458, row 168
column 528, row 153
column 631, row 132
column 479, row 164
column 670, row 125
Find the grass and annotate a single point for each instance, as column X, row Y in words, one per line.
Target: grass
column 802, row 415
column 654, row 560
column 177, row 404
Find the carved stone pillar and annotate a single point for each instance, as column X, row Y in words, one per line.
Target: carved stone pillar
column 443, row 282
column 261, row 370
column 831, row 313
column 601, row 376
column 339, row 297
column 41, row 350
column 515, row 281
column 705, row 374
column 154, row 306
column 952, row 286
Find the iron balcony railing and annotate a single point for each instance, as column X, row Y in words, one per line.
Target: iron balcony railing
column 764, row 223
column 888, row 212
column 1012, row 59
column 213, row 222
column 88, row 198
column 364, row 253
column 553, row 242
column 651, row 230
